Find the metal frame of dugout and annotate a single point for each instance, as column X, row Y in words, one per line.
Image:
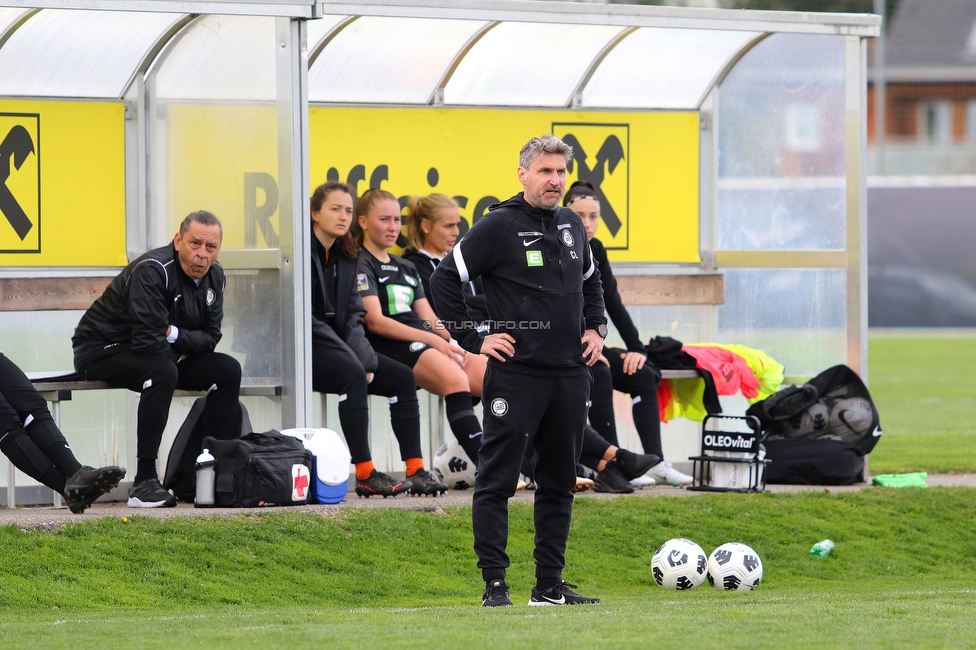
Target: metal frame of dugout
column 300, row 23
column 715, row 473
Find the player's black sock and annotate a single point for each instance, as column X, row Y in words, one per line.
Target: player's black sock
column 405, row 420
column 464, row 423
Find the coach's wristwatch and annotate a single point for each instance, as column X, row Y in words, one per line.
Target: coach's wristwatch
column 602, row 330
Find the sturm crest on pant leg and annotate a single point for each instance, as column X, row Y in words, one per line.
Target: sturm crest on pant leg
column 499, row 407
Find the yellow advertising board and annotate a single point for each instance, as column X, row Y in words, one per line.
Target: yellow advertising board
column 644, row 165
column 62, row 183
column 223, row 158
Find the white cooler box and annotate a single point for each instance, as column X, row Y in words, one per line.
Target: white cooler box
column 330, row 465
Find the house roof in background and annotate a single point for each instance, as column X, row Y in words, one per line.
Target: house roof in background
column 932, row 40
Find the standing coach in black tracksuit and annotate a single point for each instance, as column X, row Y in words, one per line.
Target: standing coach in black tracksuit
column 547, row 323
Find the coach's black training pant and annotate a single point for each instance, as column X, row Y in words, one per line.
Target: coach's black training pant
column 548, row 412
column 594, row 448
column 157, row 377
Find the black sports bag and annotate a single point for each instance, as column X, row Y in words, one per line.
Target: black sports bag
column 813, row 462
column 180, row 475
column 260, row 469
column 818, row 433
column 835, row 405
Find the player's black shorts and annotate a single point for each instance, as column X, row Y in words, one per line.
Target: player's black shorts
column 406, row 352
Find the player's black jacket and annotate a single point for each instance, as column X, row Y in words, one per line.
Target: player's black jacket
column 611, row 297
column 541, row 284
column 148, row 296
column 337, row 309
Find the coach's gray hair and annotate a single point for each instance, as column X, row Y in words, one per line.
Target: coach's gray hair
column 546, row 144
column 202, row 217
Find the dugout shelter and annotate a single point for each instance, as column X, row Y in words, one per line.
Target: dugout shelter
column 728, row 147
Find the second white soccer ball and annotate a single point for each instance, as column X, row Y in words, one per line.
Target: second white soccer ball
column 679, row 564
column 734, row 567
column 453, row 466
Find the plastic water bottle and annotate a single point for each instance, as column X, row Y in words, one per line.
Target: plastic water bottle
column 206, row 479
column 822, row 548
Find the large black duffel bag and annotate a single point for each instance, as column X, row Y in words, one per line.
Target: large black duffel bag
column 260, row 469
column 813, row 462
column 818, row 433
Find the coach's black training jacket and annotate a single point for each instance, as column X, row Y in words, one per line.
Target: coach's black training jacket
column 541, row 284
column 139, row 305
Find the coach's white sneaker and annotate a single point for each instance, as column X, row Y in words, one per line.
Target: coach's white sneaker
column 663, row 472
column 643, row 481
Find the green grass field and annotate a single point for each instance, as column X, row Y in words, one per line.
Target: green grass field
column 903, row 569
column 925, row 390
column 902, row 572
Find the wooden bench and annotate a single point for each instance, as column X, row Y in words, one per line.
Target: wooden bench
column 65, row 294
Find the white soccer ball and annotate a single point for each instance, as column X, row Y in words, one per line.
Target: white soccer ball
column 679, row 564
column 809, row 422
column 851, row 417
column 734, row 567
column 453, row 466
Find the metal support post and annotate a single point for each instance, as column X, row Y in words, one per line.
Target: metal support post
column 855, row 114
column 294, row 219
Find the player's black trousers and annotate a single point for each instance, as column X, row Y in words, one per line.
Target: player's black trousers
column 28, row 435
column 641, row 386
column 157, row 377
column 336, row 369
column 548, row 412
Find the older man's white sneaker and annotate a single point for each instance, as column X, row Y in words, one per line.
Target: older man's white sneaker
column 664, row 473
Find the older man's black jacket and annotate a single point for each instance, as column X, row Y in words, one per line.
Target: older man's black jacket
column 140, row 304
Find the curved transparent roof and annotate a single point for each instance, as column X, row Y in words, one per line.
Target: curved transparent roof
column 319, row 29
column 388, row 60
column 663, row 68
column 221, row 58
column 9, row 16
column 527, row 64
column 91, row 54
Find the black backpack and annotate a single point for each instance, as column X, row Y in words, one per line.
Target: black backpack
column 818, row 433
column 180, row 475
column 261, row 469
